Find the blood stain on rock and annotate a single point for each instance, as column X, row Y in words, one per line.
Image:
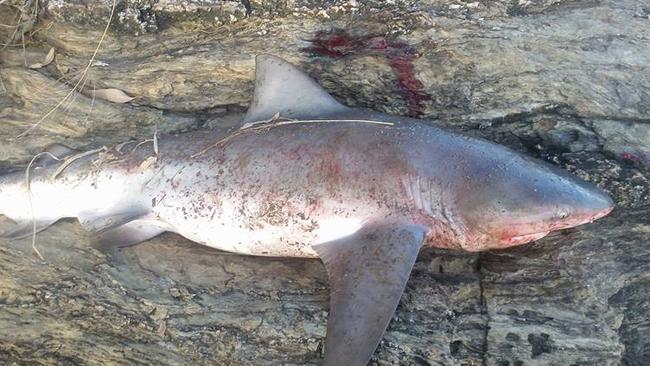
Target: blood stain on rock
column 400, row 57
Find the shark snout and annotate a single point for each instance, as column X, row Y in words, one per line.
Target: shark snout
column 565, row 208
column 518, row 209
column 584, row 207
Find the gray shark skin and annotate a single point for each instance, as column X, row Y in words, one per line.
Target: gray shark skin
column 308, row 177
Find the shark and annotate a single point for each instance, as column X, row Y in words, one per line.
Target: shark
column 306, row 176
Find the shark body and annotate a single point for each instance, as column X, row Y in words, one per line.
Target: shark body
column 308, row 177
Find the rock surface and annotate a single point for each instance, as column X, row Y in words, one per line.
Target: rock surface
column 566, row 81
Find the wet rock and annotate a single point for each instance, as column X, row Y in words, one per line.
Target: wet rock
column 560, row 300
column 627, row 140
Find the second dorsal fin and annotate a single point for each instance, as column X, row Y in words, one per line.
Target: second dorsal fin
column 281, row 88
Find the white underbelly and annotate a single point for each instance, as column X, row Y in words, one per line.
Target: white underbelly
column 294, row 240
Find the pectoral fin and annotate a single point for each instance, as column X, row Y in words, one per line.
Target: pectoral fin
column 130, row 233
column 122, row 228
column 97, row 221
column 368, row 272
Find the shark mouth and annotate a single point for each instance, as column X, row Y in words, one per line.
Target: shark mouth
column 521, row 239
column 527, row 238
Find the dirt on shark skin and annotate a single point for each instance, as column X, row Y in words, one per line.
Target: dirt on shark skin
column 309, row 177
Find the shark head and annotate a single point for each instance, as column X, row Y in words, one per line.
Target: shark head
column 522, row 199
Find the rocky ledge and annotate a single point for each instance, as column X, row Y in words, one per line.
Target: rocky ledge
column 566, row 81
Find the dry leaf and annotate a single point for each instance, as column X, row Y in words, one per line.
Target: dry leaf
column 48, row 60
column 155, row 142
column 162, row 328
column 105, row 157
column 146, row 163
column 160, row 314
column 113, row 95
column 62, row 68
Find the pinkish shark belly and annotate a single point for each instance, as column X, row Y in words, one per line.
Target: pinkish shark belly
column 258, row 220
column 280, row 193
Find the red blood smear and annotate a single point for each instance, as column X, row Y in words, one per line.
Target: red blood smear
column 410, row 86
column 336, row 44
column 400, row 56
column 630, row 156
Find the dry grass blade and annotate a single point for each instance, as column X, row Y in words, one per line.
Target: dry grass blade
column 10, row 39
column 31, row 203
column 276, row 121
column 26, row 15
column 291, row 122
column 146, row 163
column 2, row 85
column 81, row 79
column 155, row 142
column 69, row 160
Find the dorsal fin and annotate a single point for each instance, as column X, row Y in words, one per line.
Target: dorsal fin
column 282, row 88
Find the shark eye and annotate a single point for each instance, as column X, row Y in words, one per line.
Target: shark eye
column 563, row 214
